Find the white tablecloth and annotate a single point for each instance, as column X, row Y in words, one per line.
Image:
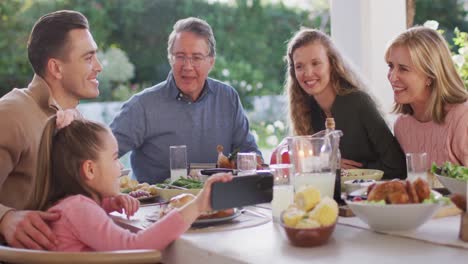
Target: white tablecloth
column 268, row 244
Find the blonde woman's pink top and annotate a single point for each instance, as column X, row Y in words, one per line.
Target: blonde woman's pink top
column 86, row 226
column 442, row 142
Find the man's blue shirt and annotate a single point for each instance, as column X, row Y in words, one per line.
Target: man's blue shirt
column 160, row 116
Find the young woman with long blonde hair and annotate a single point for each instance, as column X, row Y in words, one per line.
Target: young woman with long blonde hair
column 429, row 96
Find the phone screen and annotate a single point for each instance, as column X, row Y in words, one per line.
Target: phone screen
column 242, row 191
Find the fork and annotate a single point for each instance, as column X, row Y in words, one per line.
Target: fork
column 248, row 211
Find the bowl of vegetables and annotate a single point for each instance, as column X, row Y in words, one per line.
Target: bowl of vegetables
column 452, row 176
column 169, row 189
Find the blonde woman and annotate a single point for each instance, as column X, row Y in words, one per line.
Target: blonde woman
column 321, row 84
column 429, row 95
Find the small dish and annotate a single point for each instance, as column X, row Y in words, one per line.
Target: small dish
column 353, row 185
column 308, row 237
column 357, row 174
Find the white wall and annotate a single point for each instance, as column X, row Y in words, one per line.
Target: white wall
column 362, row 29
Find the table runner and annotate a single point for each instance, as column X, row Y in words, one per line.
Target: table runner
column 441, row 231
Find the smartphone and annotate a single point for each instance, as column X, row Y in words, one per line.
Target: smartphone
column 242, row 191
column 212, row 171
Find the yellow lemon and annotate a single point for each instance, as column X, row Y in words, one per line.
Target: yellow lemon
column 292, row 216
column 325, row 212
column 307, row 223
column 307, row 198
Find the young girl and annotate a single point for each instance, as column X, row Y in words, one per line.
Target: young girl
column 78, row 171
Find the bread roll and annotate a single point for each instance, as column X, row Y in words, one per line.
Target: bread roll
column 181, row 200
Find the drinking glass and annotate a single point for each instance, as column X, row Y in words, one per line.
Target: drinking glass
column 283, row 190
column 416, row 165
column 246, row 163
column 178, row 161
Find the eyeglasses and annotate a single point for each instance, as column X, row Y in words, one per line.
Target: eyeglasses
column 195, row 60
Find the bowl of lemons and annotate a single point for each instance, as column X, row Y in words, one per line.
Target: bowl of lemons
column 311, row 220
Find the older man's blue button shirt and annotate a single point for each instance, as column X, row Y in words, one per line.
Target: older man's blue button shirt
column 160, row 116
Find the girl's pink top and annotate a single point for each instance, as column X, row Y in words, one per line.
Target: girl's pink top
column 442, row 142
column 86, row 226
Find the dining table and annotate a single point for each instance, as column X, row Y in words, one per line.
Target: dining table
column 254, row 237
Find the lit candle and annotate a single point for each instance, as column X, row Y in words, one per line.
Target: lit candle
column 309, row 162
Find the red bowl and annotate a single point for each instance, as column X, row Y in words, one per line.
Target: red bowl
column 308, row 237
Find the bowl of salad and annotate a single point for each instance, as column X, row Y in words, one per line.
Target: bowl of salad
column 169, row 189
column 453, row 177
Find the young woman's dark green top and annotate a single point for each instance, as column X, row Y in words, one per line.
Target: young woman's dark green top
column 366, row 137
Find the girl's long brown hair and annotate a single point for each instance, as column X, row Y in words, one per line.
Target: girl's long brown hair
column 343, row 79
column 61, row 155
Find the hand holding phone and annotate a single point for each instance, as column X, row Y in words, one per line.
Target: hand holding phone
column 242, row 191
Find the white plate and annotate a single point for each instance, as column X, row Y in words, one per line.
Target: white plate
column 236, row 213
column 364, row 174
column 350, row 186
column 147, row 198
column 452, row 184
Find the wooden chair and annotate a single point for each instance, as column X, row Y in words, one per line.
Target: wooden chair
column 27, row 256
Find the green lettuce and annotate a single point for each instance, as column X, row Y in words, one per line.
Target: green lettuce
column 451, row 170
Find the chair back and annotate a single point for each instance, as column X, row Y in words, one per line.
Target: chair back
column 27, row 256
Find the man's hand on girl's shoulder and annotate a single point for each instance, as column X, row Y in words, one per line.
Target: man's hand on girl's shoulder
column 28, row 229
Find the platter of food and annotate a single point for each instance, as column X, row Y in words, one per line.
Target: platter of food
column 141, row 191
column 212, row 217
column 397, row 205
column 217, row 217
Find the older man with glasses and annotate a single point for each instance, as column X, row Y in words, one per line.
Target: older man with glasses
column 187, row 109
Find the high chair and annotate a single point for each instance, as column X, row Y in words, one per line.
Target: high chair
column 27, row 256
